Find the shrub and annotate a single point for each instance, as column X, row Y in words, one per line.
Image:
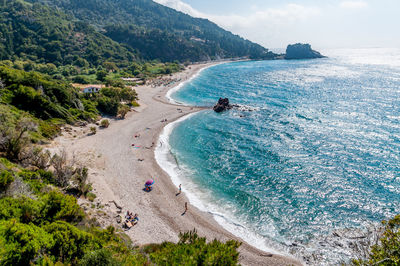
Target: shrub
column 99, row 257
column 93, row 130
column 58, row 206
column 194, row 250
column 101, row 75
column 91, row 196
column 21, row 243
column 387, row 249
column 105, row 123
column 108, row 105
column 123, row 110
column 48, row 129
column 6, row 178
column 70, row 243
column 63, row 170
column 15, row 128
column 22, row 209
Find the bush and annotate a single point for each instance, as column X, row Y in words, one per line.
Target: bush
column 15, row 129
column 91, row 196
column 387, row 250
column 93, row 130
column 101, row 75
column 99, row 257
column 58, row 206
column 108, row 105
column 70, row 243
column 123, row 110
column 21, row 243
column 6, row 178
column 104, row 123
column 194, row 250
column 49, row 129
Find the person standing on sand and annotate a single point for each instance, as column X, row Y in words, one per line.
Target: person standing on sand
column 180, row 189
column 186, row 207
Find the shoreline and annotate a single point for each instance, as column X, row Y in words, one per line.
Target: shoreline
column 183, row 83
column 168, row 163
column 118, row 171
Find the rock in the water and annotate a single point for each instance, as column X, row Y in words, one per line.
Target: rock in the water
column 222, row 105
column 301, row 51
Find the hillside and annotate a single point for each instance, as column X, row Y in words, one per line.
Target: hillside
column 44, row 34
column 159, row 32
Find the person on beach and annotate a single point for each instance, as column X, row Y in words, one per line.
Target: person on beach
column 179, row 190
column 186, row 207
column 135, row 219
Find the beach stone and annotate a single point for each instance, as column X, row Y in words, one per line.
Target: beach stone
column 222, row 105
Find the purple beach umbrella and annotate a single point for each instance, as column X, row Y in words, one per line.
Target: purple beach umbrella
column 149, row 182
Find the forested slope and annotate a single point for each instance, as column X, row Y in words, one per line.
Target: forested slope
column 44, row 34
column 158, row 32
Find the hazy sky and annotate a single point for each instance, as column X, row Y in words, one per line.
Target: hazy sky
column 323, row 23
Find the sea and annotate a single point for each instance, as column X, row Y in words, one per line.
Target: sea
column 308, row 165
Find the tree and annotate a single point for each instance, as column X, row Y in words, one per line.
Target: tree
column 110, row 66
column 101, row 75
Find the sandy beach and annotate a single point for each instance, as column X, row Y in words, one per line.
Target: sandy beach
column 119, row 170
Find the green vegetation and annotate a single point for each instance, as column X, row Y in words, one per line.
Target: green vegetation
column 74, row 34
column 48, row 99
column 45, row 46
column 93, row 130
column 41, row 222
column 387, row 250
column 44, row 34
column 50, row 227
column 196, row 250
column 6, row 178
column 105, row 123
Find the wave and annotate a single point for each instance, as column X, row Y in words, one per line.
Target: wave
column 182, row 84
column 202, row 199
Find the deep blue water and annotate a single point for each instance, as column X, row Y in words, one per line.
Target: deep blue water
column 320, row 152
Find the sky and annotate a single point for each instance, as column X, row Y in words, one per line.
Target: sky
column 322, row 23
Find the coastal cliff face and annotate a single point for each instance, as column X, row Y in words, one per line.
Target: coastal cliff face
column 301, row 51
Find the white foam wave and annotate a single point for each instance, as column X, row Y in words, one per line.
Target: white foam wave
column 181, row 85
column 202, row 198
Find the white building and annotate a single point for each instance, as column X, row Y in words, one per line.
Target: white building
column 91, row 89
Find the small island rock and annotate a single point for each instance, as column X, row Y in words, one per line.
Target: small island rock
column 222, row 105
column 301, row 51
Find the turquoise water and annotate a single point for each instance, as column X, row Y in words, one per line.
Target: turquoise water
column 320, row 151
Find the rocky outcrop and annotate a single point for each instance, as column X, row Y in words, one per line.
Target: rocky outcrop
column 222, row 105
column 301, row 51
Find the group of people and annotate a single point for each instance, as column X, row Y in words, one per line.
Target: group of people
column 131, row 219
